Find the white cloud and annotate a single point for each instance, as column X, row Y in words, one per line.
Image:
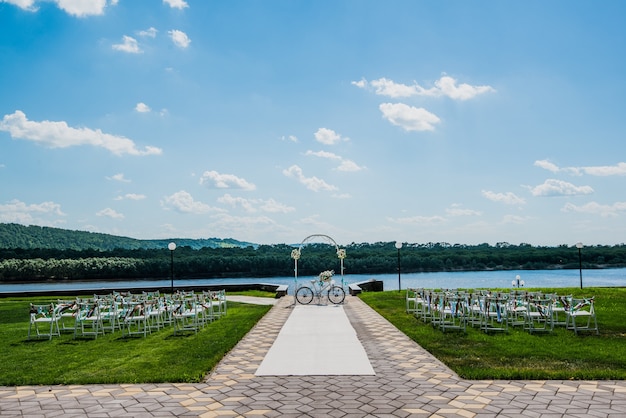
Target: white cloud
column 214, row 180
column 16, row 211
column 618, row 169
column 445, row 86
column 419, row 220
column 291, row 138
column 81, row 8
column 176, row 4
column 23, row 4
column 408, row 117
column 60, row 135
column 242, row 226
column 362, row 83
column 349, row 165
column 547, row 165
column 129, row 44
column 456, row 210
column 271, row 205
column 183, row 202
column 149, row 33
column 179, row 38
column 142, row 108
column 78, row 8
column 324, row 154
column 328, row 136
column 254, row 205
column 607, row 170
column 508, row 198
column 514, row 219
column 131, row 196
column 384, row 87
column 110, row 213
column 596, row 208
column 553, row 187
column 344, row 165
column 232, row 201
column 118, row 177
column 311, row 183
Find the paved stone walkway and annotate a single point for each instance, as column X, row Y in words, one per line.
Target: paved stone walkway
column 408, row 382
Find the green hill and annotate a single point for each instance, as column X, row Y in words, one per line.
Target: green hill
column 43, row 237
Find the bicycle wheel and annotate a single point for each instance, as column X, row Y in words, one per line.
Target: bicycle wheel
column 336, row 294
column 304, row 295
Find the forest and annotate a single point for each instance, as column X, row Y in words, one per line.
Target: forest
column 56, row 261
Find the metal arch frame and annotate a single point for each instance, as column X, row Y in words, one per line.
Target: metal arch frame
column 295, row 254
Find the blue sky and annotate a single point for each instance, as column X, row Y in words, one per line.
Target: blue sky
column 268, row 121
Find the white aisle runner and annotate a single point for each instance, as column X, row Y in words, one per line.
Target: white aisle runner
column 316, row 340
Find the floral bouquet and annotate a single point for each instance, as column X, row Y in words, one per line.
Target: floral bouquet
column 325, row 276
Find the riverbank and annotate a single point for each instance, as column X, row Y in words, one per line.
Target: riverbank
column 458, row 280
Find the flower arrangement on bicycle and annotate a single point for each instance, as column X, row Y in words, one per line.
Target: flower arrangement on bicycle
column 326, row 275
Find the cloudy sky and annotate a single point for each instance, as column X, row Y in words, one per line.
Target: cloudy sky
column 268, row 121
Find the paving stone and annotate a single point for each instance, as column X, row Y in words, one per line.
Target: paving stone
column 408, row 382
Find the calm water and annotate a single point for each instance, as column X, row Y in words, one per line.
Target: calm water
column 475, row 279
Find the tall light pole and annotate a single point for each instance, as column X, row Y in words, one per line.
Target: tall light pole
column 398, row 246
column 579, row 245
column 517, row 282
column 172, row 246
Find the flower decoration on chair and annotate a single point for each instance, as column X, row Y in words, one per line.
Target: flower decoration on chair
column 325, row 276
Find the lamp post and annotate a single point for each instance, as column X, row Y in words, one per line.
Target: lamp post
column 398, row 246
column 172, row 246
column 517, row 282
column 579, row 245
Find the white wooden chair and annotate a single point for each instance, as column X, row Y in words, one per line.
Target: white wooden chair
column 186, row 314
column 454, row 311
column 539, row 316
column 494, row 317
column 88, row 320
column 585, row 310
column 414, row 301
column 559, row 309
column 220, row 305
column 67, row 314
column 136, row 317
column 45, row 320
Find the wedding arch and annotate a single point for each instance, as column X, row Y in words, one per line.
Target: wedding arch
column 296, row 253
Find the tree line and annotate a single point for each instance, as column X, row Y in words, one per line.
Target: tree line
column 45, row 237
column 18, row 264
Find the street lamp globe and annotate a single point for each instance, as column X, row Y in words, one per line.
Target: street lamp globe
column 398, row 246
column 171, row 246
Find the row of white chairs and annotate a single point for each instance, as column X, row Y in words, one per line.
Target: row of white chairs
column 496, row 311
column 132, row 314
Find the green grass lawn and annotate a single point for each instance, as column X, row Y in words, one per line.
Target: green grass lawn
column 517, row 354
column 164, row 357
column 161, row 357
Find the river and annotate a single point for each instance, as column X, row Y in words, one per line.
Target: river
column 447, row 280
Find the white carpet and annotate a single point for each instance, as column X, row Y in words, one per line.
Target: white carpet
column 316, row 340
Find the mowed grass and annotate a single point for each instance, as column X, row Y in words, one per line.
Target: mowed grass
column 161, row 357
column 516, row 354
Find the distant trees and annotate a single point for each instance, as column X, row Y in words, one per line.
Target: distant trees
column 275, row 260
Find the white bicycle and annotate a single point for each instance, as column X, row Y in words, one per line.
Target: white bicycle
column 318, row 289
